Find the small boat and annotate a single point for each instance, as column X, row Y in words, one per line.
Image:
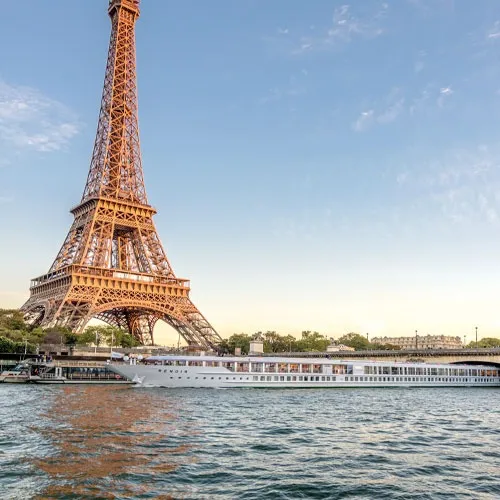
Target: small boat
column 20, row 374
column 69, row 372
column 288, row 371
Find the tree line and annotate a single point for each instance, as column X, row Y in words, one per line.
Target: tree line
column 308, row 342
column 315, row 342
column 17, row 336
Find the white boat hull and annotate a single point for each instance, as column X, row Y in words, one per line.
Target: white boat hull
column 222, row 378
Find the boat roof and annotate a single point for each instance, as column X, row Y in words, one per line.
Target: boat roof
column 293, row 360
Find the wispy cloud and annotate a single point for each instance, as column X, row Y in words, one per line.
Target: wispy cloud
column 31, row 120
column 345, row 27
column 387, row 111
column 396, row 104
column 444, row 94
column 364, row 120
column 392, row 111
column 463, row 184
column 347, row 24
column 494, row 32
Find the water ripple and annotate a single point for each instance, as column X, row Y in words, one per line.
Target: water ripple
column 118, row 442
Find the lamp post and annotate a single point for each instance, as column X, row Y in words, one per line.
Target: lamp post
column 416, row 339
column 476, row 337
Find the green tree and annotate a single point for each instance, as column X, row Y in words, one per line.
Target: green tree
column 274, row 342
column 384, row 347
column 127, row 340
column 312, row 342
column 241, row 340
column 355, row 340
column 486, row 342
column 70, row 338
column 6, row 345
column 55, row 335
column 106, row 334
column 91, row 335
column 12, row 319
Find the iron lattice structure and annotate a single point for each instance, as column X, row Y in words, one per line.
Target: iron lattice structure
column 112, row 265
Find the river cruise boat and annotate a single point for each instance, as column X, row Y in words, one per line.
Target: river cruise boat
column 277, row 372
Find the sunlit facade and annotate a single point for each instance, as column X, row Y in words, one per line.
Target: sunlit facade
column 422, row 342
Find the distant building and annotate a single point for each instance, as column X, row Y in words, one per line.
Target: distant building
column 339, row 347
column 256, row 346
column 422, row 342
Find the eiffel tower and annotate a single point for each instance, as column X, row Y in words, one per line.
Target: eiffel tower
column 112, row 265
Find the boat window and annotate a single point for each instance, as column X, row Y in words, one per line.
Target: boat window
column 270, row 367
column 243, row 367
column 316, row 368
column 283, row 367
column 305, row 368
column 294, row 367
column 257, row 367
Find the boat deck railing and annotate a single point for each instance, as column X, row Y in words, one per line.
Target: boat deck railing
column 84, row 376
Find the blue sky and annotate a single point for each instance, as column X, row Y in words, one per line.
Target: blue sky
column 315, row 165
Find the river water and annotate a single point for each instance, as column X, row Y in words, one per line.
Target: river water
column 121, row 442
